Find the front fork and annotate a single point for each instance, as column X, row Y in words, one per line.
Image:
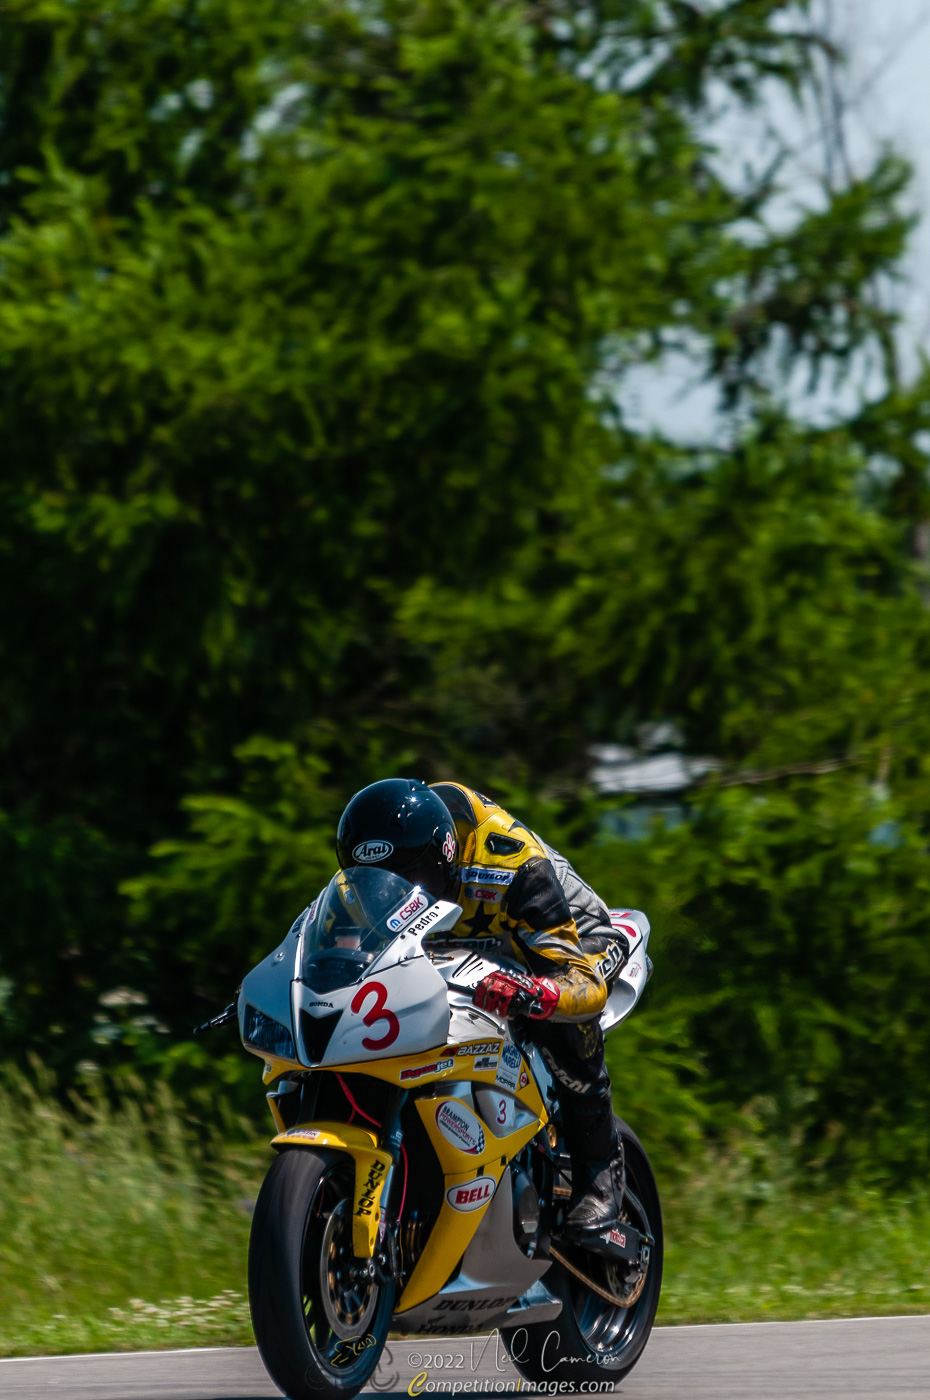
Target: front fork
column 385, row 1263
column 375, row 1153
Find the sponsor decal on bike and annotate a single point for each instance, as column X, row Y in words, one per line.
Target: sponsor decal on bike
column 448, row 846
column 367, row 852
column 486, row 875
column 485, row 896
column 307, row 1134
column 460, row 1127
column 479, row 1047
column 634, row 971
column 617, row 1238
column 425, row 921
column 372, row 1188
column 486, row 1062
column 403, row 916
column 472, row 1195
column 524, row 1079
column 319, row 1003
column 350, row 1348
column 508, row 1074
column 473, row 1304
column 418, row 1072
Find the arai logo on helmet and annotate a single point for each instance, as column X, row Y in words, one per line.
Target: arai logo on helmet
column 367, row 852
column 448, row 846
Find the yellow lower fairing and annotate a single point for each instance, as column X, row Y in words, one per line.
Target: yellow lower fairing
column 372, row 1166
column 450, row 1237
column 455, row 1229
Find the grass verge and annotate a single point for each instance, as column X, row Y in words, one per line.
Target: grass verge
column 116, row 1233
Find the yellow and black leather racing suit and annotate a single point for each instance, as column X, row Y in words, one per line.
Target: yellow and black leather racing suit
column 514, row 892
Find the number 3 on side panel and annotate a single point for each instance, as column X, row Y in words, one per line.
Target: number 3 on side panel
column 377, row 1012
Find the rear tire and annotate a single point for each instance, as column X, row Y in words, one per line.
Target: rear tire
column 320, row 1329
column 593, row 1339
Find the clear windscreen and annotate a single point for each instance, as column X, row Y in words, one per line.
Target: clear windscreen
column 360, row 912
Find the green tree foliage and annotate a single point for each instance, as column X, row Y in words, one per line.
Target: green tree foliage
column 314, row 322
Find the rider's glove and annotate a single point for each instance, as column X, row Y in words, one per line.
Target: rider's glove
column 515, row 994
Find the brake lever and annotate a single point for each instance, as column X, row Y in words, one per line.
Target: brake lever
column 223, row 1019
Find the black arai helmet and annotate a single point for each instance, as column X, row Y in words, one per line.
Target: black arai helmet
column 401, row 825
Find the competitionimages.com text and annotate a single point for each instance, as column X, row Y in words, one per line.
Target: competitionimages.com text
column 423, row 1384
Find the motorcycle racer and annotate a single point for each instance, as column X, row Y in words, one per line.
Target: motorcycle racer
column 522, row 897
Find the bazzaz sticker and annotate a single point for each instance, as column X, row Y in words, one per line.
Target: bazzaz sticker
column 485, row 1062
column 508, row 1073
column 367, row 852
column 472, row 1195
column 459, row 1126
column 403, row 916
column 479, row 1047
column 486, row 875
column 439, row 1067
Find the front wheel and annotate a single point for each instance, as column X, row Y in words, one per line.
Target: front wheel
column 319, row 1320
column 593, row 1338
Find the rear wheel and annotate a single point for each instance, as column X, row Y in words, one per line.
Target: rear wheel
column 593, row 1337
column 320, row 1321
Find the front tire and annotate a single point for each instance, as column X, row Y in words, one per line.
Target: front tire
column 320, row 1326
column 592, row 1338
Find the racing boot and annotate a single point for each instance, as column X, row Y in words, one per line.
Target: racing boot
column 597, row 1197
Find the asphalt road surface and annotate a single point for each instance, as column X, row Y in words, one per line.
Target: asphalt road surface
column 878, row 1358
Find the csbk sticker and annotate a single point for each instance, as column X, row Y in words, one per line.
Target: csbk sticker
column 471, row 1195
column 485, row 896
column 403, row 916
column 460, row 1127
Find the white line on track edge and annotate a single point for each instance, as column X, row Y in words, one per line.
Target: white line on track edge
column 664, row 1327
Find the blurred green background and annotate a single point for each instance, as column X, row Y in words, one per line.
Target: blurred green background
column 315, row 322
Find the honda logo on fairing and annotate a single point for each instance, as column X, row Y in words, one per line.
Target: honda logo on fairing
column 368, row 851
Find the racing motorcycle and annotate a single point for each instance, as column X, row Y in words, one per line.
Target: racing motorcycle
column 421, row 1179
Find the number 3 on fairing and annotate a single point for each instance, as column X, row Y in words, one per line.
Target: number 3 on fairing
column 377, row 1012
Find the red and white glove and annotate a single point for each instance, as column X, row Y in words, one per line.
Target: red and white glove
column 515, row 994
